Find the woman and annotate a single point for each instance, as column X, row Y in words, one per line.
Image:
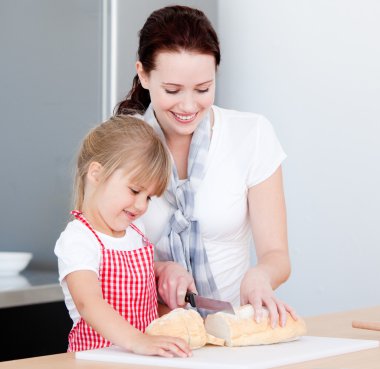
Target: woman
column 226, row 183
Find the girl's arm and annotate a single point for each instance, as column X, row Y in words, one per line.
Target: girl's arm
column 268, row 220
column 87, row 295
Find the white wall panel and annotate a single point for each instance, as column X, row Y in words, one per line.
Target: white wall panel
column 313, row 68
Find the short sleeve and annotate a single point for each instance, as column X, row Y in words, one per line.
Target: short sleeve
column 76, row 250
column 268, row 153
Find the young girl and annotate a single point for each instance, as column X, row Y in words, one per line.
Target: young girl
column 105, row 261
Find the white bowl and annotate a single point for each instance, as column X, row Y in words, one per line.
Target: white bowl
column 12, row 263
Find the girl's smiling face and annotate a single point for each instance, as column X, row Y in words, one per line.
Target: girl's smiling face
column 182, row 90
column 116, row 202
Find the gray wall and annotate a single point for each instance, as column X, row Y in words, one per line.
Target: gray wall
column 54, row 86
column 313, row 68
column 50, row 94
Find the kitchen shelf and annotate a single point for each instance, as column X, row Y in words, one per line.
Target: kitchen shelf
column 30, row 287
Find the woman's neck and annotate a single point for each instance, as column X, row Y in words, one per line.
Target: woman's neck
column 179, row 148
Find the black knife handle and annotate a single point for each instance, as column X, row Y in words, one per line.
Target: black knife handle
column 189, row 297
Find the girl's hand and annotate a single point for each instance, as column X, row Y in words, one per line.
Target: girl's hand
column 255, row 289
column 173, row 281
column 160, row 345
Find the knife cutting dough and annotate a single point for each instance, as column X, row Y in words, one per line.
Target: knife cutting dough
column 225, row 329
column 226, row 184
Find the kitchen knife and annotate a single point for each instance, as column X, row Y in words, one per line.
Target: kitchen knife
column 209, row 304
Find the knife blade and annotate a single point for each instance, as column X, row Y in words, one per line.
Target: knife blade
column 209, row 304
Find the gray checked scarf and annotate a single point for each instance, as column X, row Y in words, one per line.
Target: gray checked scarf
column 181, row 241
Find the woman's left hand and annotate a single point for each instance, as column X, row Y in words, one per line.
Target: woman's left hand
column 255, row 289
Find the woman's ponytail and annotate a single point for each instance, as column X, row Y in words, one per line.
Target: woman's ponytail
column 137, row 100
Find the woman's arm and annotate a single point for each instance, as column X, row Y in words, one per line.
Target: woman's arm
column 268, row 220
column 87, row 295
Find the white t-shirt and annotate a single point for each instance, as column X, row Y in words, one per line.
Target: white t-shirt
column 78, row 249
column 244, row 151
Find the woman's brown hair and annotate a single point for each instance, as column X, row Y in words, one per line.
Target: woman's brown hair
column 174, row 29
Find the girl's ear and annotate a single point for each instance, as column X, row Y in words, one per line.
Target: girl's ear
column 94, row 172
column 143, row 77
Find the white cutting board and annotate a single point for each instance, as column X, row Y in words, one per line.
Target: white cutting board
column 251, row 357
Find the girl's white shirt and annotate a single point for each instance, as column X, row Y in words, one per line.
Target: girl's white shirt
column 244, row 151
column 78, row 249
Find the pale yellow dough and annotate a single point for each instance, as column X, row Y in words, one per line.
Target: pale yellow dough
column 185, row 324
column 225, row 329
column 242, row 330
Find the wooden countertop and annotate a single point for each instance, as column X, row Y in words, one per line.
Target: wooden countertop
column 328, row 325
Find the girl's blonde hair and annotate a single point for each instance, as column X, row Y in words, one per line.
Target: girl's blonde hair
column 124, row 142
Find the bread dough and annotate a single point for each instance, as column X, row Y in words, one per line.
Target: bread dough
column 242, row 330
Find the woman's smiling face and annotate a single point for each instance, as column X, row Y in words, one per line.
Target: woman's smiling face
column 182, row 90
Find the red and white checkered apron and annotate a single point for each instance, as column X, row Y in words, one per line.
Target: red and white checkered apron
column 128, row 284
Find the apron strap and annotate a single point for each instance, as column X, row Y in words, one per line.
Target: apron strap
column 79, row 215
column 145, row 239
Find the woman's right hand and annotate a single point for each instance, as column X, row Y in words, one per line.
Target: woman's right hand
column 165, row 346
column 173, row 281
